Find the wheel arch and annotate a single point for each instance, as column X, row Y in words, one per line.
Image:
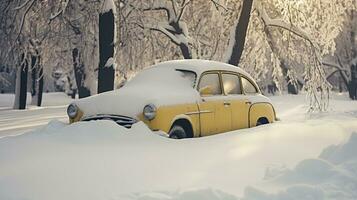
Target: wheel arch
column 186, row 123
column 261, row 111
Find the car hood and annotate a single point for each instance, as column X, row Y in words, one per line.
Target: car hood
column 130, row 101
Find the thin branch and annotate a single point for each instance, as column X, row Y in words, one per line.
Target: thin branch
column 22, row 5
column 163, row 31
column 174, row 7
column 282, row 24
column 182, row 10
column 339, row 68
column 153, row 8
column 60, row 12
column 218, row 5
column 23, row 19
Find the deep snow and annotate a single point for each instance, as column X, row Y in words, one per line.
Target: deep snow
column 290, row 159
column 14, row 122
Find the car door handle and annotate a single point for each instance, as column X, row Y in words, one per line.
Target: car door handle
column 248, row 102
column 227, row 103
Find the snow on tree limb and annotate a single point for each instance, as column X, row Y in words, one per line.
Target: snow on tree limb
column 316, row 84
column 110, row 62
column 22, row 5
column 282, row 24
column 108, row 5
column 61, row 11
column 174, row 28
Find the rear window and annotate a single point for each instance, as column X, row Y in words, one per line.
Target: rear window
column 248, row 87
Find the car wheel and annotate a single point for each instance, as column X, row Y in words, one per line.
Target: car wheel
column 262, row 121
column 177, row 132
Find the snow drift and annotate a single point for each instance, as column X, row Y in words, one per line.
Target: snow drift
column 100, row 160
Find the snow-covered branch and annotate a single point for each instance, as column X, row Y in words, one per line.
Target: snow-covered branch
column 174, row 28
column 182, row 10
column 268, row 22
column 23, row 18
column 22, row 5
column 61, row 11
column 338, row 68
column 107, row 6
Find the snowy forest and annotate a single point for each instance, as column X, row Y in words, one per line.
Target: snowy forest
column 87, row 47
column 178, row 99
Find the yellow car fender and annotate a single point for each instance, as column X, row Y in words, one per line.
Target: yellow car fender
column 195, row 127
column 261, row 109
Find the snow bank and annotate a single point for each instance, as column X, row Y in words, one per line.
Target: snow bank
column 99, row 160
column 158, row 86
column 48, row 99
column 331, row 176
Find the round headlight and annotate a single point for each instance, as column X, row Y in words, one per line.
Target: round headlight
column 72, row 110
column 149, row 112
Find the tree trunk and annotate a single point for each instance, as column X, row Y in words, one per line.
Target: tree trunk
column 237, row 43
column 37, row 81
column 71, row 88
column 292, row 87
column 34, row 84
column 21, row 85
column 352, row 86
column 79, row 74
column 40, row 82
column 186, row 52
column 106, row 70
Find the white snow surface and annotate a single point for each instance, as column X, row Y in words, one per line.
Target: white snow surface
column 108, row 5
column 110, row 62
column 48, row 99
column 146, row 88
column 14, row 122
column 303, row 156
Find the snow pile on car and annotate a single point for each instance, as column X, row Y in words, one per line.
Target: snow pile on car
column 158, row 86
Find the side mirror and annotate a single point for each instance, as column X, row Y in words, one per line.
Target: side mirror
column 206, row 91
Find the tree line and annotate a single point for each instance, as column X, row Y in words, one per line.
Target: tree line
column 98, row 44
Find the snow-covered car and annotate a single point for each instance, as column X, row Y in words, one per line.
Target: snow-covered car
column 184, row 98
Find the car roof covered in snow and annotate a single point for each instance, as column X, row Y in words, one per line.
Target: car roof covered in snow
column 201, row 66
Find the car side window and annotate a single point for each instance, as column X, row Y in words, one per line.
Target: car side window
column 211, row 81
column 248, row 87
column 231, row 84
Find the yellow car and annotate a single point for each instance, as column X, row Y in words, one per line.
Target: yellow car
column 184, row 98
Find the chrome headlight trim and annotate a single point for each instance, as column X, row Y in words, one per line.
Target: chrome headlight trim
column 72, row 110
column 149, row 112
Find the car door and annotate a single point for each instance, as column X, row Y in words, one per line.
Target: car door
column 215, row 116
column 239, row 103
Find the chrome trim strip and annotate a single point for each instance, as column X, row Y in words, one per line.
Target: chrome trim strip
column 109, row 116
column 198, row 112
column 124, row 121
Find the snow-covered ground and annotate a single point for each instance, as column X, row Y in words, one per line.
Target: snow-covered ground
column 303, row 156
column 13, row 122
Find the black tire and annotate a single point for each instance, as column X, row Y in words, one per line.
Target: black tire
column 262, row 121
column 177, row 132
